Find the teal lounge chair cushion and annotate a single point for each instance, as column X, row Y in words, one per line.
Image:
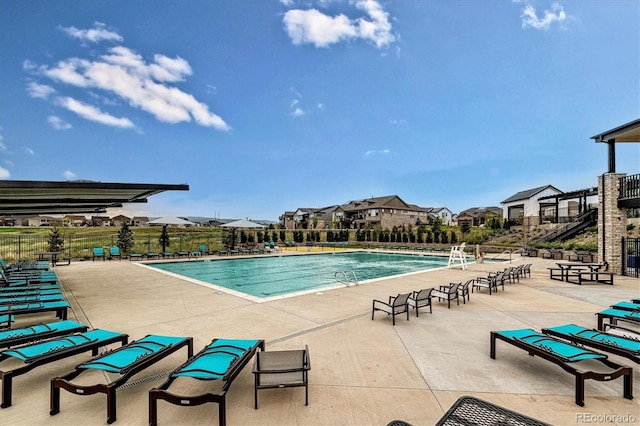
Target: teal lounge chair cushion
column 37, row 329
column 119, row 360
column 26, row 306
column 33, row 351
column 5, row 320
column 215, row 360
column 598, row 336
column 619, row 313
column 30, row 298
column 566, row 351
column 627, row 306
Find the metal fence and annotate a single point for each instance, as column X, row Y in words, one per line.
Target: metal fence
column 25, row 246
column 631, row 257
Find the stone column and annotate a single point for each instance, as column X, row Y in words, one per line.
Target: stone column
column 612, row 221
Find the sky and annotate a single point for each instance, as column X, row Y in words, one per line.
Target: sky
column 267, row 106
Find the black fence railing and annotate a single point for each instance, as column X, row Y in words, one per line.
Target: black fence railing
column 25, row 246
column 631, row 257
column 629, row 188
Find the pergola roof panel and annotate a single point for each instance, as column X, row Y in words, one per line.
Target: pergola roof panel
column 47, row 197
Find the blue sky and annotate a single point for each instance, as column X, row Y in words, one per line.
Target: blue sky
column 266, row 106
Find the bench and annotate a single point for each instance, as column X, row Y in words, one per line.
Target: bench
column 581, row 256
column 579, row 277
column 552, row 254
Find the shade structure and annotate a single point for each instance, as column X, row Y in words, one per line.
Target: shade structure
column 170, row 220
column 165, row 221
column 242, row 223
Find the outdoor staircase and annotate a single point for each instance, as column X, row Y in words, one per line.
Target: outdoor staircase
column 565, row 231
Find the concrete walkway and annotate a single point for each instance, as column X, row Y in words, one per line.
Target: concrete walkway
column 364, row 372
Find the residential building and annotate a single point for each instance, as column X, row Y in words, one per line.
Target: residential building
column 479, row 216
column 100, row 221
column 140, row 221
column 74, row 220
column 526, row 208
column 119, row 220
column 43, row 221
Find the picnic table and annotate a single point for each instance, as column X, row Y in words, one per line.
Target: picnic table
column 47, row 255
column 577, row 273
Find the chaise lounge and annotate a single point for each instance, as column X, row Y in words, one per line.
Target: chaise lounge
column 19, row 336
column 614, row 315
column 619, row 345
column 220, row 362
column 564, row 354
column 125, row 362
column 43, row 352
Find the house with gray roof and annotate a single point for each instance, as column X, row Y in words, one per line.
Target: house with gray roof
column 525, row 207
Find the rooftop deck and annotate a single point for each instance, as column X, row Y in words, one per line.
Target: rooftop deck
column 364, row 372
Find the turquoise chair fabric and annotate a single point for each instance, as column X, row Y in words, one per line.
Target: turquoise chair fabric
column 598, row 336
column 119, row 359
column 38, row 329
column 33, row 351
column 566, row 351
column 214, row 361
column 26, row 306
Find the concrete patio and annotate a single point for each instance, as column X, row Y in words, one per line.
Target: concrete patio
column 363, row 372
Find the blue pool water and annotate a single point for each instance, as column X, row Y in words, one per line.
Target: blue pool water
column 270, row 276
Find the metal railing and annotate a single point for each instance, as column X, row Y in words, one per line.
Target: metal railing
column 629, row 188
column 631, row 257
column 15, row 247
column 346, row 277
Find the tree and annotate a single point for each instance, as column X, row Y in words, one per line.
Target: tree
column 125, row 238
column 465, row 227
column 56, row 242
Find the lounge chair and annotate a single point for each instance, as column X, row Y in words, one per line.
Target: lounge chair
column 468, row 410
column 221, row 361
column 419, row 299
column 17, row 279
column 151, row 255
column 619, row 345
column 19, row 336
column 28, row 298
column 114, row 252
column 43, row 352
column 203, row 250
column 627, row 306
column 397, row 305
column 59, row 307
column 6, row 320
column 98, row 252
column 615, row 315
column 282, row 369
column 32, row 290
column 125, row 362
column 448, row 293
column 564, row 354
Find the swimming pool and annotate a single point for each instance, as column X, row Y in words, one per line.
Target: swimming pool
column 273, row 276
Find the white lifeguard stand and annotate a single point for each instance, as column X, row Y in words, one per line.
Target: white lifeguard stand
column 457, row 254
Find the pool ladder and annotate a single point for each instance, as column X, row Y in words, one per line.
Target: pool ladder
column 346, row 277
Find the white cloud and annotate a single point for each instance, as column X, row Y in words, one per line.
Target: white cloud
column 298, row 112
column 126, row 74
column 36, row 90
column 29, row 151
column 58, row 123
column 99, row 32
column 92, row 113
column 530, row 17
column 4, row 173
column 69, row 175
column 378, row 152
column 314, row 27
column 287, row 3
